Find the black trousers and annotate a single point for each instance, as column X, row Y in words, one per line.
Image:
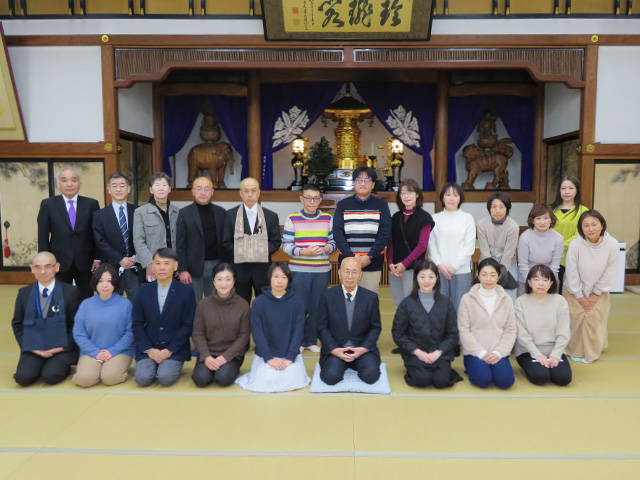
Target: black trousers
column 539, row 375
column 561, row 278
column 367, row 366
column 53, row 370
column 250, row 276
column 224, row 376
column 420, row 374
column 83, row 279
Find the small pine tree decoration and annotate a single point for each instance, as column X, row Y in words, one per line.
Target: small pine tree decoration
column 320, row 160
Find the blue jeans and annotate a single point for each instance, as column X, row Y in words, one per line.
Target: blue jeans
column 309, row 287
column 481, row 374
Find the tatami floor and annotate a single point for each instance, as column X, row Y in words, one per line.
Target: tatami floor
column 588, row 430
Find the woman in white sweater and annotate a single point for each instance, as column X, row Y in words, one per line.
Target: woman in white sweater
column 487, row 329
column 452, row 244
column 542, row 319
column 592, row 269
column 540, row 244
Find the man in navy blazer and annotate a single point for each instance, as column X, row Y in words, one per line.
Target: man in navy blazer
column 162, row 321
column 199, row 238
column 72, row 244
column 43, row 325
column 113, row 233
column 349, row 327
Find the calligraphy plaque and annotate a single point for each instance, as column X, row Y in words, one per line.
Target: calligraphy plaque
column 339, row 20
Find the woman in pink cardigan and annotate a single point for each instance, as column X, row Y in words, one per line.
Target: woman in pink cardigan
column 487, row 326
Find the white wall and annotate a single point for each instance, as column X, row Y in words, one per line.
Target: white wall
column 561, row 110
column 618, row 97
column 135, row 109
column 60, row 92
column 506, row 26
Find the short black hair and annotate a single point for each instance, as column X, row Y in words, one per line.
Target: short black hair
column 97, row 275
column 116, row 175
column 545, row 272
column 371, row 172
column 503, row 197
column 412, row 186
column 489, row 262
column 595, row 214
column 165, row 252
column 159, row 176
column 313, row 187
column 455, row 187
column 223, row 267
column 284, row 266
column 417, row 268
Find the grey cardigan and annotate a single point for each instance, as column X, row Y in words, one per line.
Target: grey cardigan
column 149, row 231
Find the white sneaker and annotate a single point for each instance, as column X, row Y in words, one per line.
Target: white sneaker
column 313, row 348
column 579, row 359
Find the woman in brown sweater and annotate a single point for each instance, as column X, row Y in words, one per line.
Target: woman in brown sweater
column 220, row 331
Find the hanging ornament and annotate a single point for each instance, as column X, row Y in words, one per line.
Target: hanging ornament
column 6, row 249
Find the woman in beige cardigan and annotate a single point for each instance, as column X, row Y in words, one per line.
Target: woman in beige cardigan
column 487, row 329
column 542, row 318
column 592, row 269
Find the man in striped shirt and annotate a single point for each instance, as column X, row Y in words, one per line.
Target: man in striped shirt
column 308, row 239
column 363, row 227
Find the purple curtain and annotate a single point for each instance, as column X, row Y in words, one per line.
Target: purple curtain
column 464, row 115
column 232, row 114
column 518, row 116
column 287, row 110
column 407, row 110
column 179, row 117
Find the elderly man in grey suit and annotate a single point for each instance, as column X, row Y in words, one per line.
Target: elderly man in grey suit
column 154, row 224
column 199, row 238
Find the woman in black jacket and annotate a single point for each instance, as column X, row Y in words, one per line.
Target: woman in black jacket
column 426, row 330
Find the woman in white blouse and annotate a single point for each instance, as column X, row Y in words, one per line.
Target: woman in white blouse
column 452, row 244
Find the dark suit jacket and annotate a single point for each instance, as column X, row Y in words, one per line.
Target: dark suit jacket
column 106, row 232
column 71, row 304
column 332, row 321
column 170, row 329
column 190, row 238
column 55, row 235
column 273, row 230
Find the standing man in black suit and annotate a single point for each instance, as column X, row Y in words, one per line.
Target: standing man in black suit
column 199, row 239
column 251, row 236
column 113, row 232
column 65, row 229
column 43, row 325
column 349, row 327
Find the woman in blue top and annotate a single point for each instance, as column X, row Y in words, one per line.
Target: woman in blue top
column 277, row 327
column 102, row 330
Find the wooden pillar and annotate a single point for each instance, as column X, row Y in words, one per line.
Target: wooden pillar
column 158, row 137
column 538, row 175
column 253, row 129
column 441, row 135
column 109, row 113
column 588, row 123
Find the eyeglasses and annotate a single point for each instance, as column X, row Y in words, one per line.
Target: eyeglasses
column 206, row 190
column 363, row 180
column 312, row 199
column 45, row 268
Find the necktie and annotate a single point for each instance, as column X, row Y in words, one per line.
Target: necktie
column 349, row 297
column 122, row 220
column 72, row 214
column 45, row 292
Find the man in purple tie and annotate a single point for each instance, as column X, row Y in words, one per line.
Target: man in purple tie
column 64, row 229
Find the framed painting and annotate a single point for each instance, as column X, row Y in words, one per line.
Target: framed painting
column 339, row 20
column 11, row 124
